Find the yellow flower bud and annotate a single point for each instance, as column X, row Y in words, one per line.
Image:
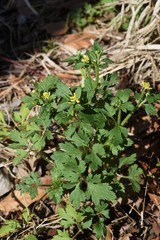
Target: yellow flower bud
column 46, row 95
column 74, row 98
column 146, row 85
column 85, row 59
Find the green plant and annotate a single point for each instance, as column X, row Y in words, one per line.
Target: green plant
column 11, row 226
column 89, row 122
column 89, row 12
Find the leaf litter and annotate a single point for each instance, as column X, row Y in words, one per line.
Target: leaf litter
column 135, row 52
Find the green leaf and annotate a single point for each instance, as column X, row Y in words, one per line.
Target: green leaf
column 79, row 65
column 47, row 84
column 110, row 110
column 100, row 191
column 63, row 90
column 92, row 56
column 99, row 149
column 134, row 177
column 70, row 131
column 17, row 117
column 118, row 134
column 55, row 191
column 26, row 215
column 94, row 161
column 77, row 140
column 30, row 101
column 31, row 237
column 39, row 144
column 127, row 106
column 123, row 95
column 33, row 127
column 158, row 164
column 19, row 137
column 30, row 185
column 69, row 215
column 62, row 235
column 70, row 149
column 73, row 171
column 24, row 112
column 103, row 209
column 21, row 154
column 127, row 160
column 9, row 227
column 2, row 119
column 99, row 228
column 77, row 196
column 63, row 106
column 96, row 47
column 150, row 109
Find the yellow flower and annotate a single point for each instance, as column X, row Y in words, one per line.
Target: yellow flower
column 74, row 98
column 85, row 59
column 33, row 91
column 146, row 85
column 46, row 95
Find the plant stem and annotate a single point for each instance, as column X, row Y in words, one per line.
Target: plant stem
column 83, row 73
column 79, row 231
column 140, row 100
column 119, row 117
column 97, row 73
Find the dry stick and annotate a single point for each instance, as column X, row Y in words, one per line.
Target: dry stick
column 30, row 7
column 131, row 24
column 138, row 71
column 143, row 206
column 45, row 67
column 146, row 12
column 148, row 29
column 50, row 62
column 156, row 75
column 156, row 9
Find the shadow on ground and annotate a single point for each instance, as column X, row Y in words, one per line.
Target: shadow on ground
column 25, row 26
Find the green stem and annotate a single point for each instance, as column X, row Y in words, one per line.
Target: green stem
column 97, row 74
column 89, row 71
column 119, row 116
column 139, row 103
column 127, row 117
column 79, row 231
column 83, row 77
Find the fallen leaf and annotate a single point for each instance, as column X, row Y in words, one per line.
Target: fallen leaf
column 154, row 198
column 126, row 237
column 5, row 182
column 66, row 76
column 80, row 40
column 15, row 201
column 109, row 234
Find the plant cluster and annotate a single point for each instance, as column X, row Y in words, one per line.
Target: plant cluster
column 89, row 12
column 89, row 122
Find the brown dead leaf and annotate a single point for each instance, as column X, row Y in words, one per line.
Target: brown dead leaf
column 46, row 180
column 109, row 235
column 126, row 236
column 80, row 40
column 154, row 198
column 66, row 76
column 16, row 201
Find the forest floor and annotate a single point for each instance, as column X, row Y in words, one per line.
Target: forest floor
column 35, row 39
